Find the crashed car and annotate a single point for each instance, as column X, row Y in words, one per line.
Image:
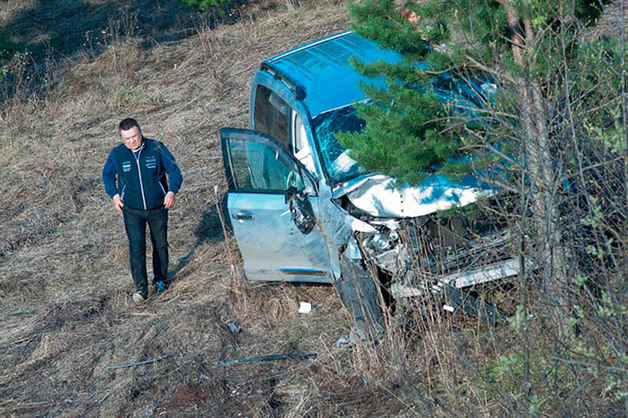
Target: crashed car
column 303, row 210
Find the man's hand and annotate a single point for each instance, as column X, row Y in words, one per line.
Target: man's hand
column 117, row 202
column 169, row 200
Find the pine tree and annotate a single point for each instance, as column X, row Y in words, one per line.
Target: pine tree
column 558, row 89
column 519, row 45
column 203, row 6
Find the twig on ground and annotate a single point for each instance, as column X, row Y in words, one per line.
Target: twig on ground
column 139, row 363
column 236, row 281
column 21, row 314
column 270, row 357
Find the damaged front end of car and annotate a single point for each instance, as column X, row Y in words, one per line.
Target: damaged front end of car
column 438, row 237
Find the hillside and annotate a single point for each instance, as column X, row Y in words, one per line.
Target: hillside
column 65, row 286
column 64, row 279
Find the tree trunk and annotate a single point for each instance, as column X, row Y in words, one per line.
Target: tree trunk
column 541, row 168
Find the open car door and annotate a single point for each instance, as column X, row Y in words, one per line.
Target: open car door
column 268, row 189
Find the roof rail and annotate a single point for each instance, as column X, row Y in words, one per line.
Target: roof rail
column 297, row 90
column 309, row 45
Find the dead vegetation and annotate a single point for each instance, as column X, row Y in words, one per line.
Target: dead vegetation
column 64, row 282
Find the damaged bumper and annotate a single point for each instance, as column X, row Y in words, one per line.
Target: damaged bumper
column 434, row 235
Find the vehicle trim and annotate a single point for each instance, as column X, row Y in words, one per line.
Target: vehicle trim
column 309, row 45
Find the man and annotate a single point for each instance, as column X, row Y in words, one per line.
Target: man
column 135, row 178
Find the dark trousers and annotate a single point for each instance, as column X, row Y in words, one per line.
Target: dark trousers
column 135, row 225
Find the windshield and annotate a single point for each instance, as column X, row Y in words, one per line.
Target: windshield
column 465, row 97
column 336, row 160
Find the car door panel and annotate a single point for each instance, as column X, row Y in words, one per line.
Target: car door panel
column 272, row 247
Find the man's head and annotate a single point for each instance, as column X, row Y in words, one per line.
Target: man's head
column 130, row 133
column 412, row 17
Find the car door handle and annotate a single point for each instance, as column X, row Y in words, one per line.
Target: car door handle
column 243, row 216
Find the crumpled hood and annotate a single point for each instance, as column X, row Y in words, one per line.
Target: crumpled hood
column 377, row 195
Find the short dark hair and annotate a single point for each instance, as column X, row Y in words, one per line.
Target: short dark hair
column 127, row 124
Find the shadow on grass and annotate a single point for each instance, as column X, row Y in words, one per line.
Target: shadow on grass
column 208, row 230
column 68, row 26
column 55, row 30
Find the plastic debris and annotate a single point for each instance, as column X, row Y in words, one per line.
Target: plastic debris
column 233, row 327
column 342, row 341
column 305, row 307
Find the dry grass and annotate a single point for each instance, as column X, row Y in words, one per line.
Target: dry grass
column 64, row 280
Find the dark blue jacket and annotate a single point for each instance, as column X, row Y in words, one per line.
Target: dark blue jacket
column 140, row 177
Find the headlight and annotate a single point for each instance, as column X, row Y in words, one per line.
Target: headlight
column 380, row 242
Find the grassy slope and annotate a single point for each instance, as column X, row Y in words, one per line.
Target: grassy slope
column 64, row 280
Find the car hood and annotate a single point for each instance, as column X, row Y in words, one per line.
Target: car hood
column 378, row 195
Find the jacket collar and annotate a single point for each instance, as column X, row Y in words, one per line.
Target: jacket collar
column 141, row 148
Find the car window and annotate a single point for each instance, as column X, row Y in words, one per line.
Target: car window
column 338, row 164
column 258, row 167
column 301, row 147
column 272, row 115
column 464, row 97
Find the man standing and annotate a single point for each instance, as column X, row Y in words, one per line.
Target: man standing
column 135, row 178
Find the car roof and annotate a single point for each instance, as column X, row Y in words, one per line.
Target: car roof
column 323, row 69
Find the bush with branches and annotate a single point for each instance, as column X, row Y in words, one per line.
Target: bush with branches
column 203, row 6
column 558, row 117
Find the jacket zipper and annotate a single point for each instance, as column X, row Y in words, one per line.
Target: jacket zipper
column 139, row 172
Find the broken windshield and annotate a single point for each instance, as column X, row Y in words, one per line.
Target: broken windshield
column 464, row 96
column 336, row 160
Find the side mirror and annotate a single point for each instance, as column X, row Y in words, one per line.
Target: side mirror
column 301, row 211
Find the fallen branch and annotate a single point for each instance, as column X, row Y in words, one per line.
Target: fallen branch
column 22, row 314
column 270, row 357
column 236, row 281
column 139, row 363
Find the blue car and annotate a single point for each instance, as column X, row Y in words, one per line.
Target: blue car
column 304, row 211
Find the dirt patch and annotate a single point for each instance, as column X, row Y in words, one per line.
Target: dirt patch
column 198, row 396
